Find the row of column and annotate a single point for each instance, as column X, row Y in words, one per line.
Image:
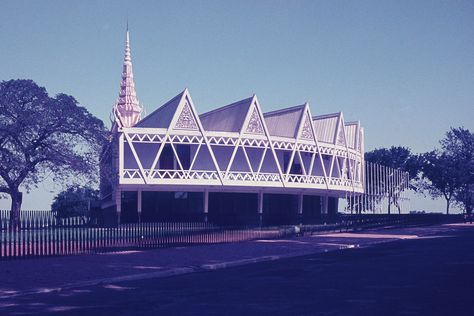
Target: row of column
column 118, row 201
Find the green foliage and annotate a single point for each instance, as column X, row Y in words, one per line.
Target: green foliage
column 439, row 176
column 397, row 157
column 75, row 201
column 464, row 197
column 394, row 157
column 42, row 135
column 449, row 171
column 459, row 147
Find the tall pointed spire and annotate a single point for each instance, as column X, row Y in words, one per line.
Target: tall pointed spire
column 127, row 111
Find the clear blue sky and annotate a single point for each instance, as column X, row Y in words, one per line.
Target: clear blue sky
column 405, row 69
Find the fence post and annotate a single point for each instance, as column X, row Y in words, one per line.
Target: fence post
column 1, row 234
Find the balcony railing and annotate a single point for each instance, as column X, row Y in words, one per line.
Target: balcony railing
column 207, row 177
column 249, row 176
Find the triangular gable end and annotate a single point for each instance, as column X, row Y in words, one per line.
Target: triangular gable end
column 186, row 119
column 307, row 130
column 341, row 137
column 351, row 130
column 357, row 136
column 254, row 122
column 255, row 125
column 361, row 140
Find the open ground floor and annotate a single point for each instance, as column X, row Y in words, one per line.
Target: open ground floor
column 223, row 207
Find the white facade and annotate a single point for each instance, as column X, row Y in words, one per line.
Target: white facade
column 239, row 146
column 234, row 148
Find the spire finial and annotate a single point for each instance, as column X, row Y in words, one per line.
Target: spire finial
column 127, row 111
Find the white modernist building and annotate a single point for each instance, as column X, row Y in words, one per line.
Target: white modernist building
column 235, row 159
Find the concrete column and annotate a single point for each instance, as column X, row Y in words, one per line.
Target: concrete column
column 206, row 205
column 139, row 205
column 300, row 207
column 324, row 205
column 260, row 207
column 118, row 203
column 300, row 203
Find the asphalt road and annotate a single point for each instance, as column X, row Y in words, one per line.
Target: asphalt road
column 425, row 276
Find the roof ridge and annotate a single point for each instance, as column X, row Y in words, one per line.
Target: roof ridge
column 322, row 116
column 222, row 108
column 288, row 109
column 352, row 123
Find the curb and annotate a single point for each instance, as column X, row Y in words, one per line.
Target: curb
column 172, row 272
column 162, row 274
column 124, row 278
column 186, row 270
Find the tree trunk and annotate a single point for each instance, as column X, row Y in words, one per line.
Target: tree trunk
column 17, row 199
column 447, row 207
column 396, row 202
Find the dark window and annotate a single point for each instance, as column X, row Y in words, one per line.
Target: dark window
column 295, row 166
column 129, row 207
column 286, row 161
column 166, row 158
column 184, row 156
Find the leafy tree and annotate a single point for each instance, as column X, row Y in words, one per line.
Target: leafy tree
column 449, row 171
column 396, row 157
column 42, row 135
column 440, row 175
column 464, row 196
column 75, row 202
column 459, row 146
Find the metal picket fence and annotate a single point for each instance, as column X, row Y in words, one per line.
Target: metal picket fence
column 41, row 234
column 355, row 222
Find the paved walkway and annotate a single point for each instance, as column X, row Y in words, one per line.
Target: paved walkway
column 29, row 276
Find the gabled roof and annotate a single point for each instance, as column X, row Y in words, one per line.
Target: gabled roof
column 287, row 122
column 161, row 117
column 325, row 127
column 284, row 122
column 351, row 129
column 360, row 144
column 228, row 118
